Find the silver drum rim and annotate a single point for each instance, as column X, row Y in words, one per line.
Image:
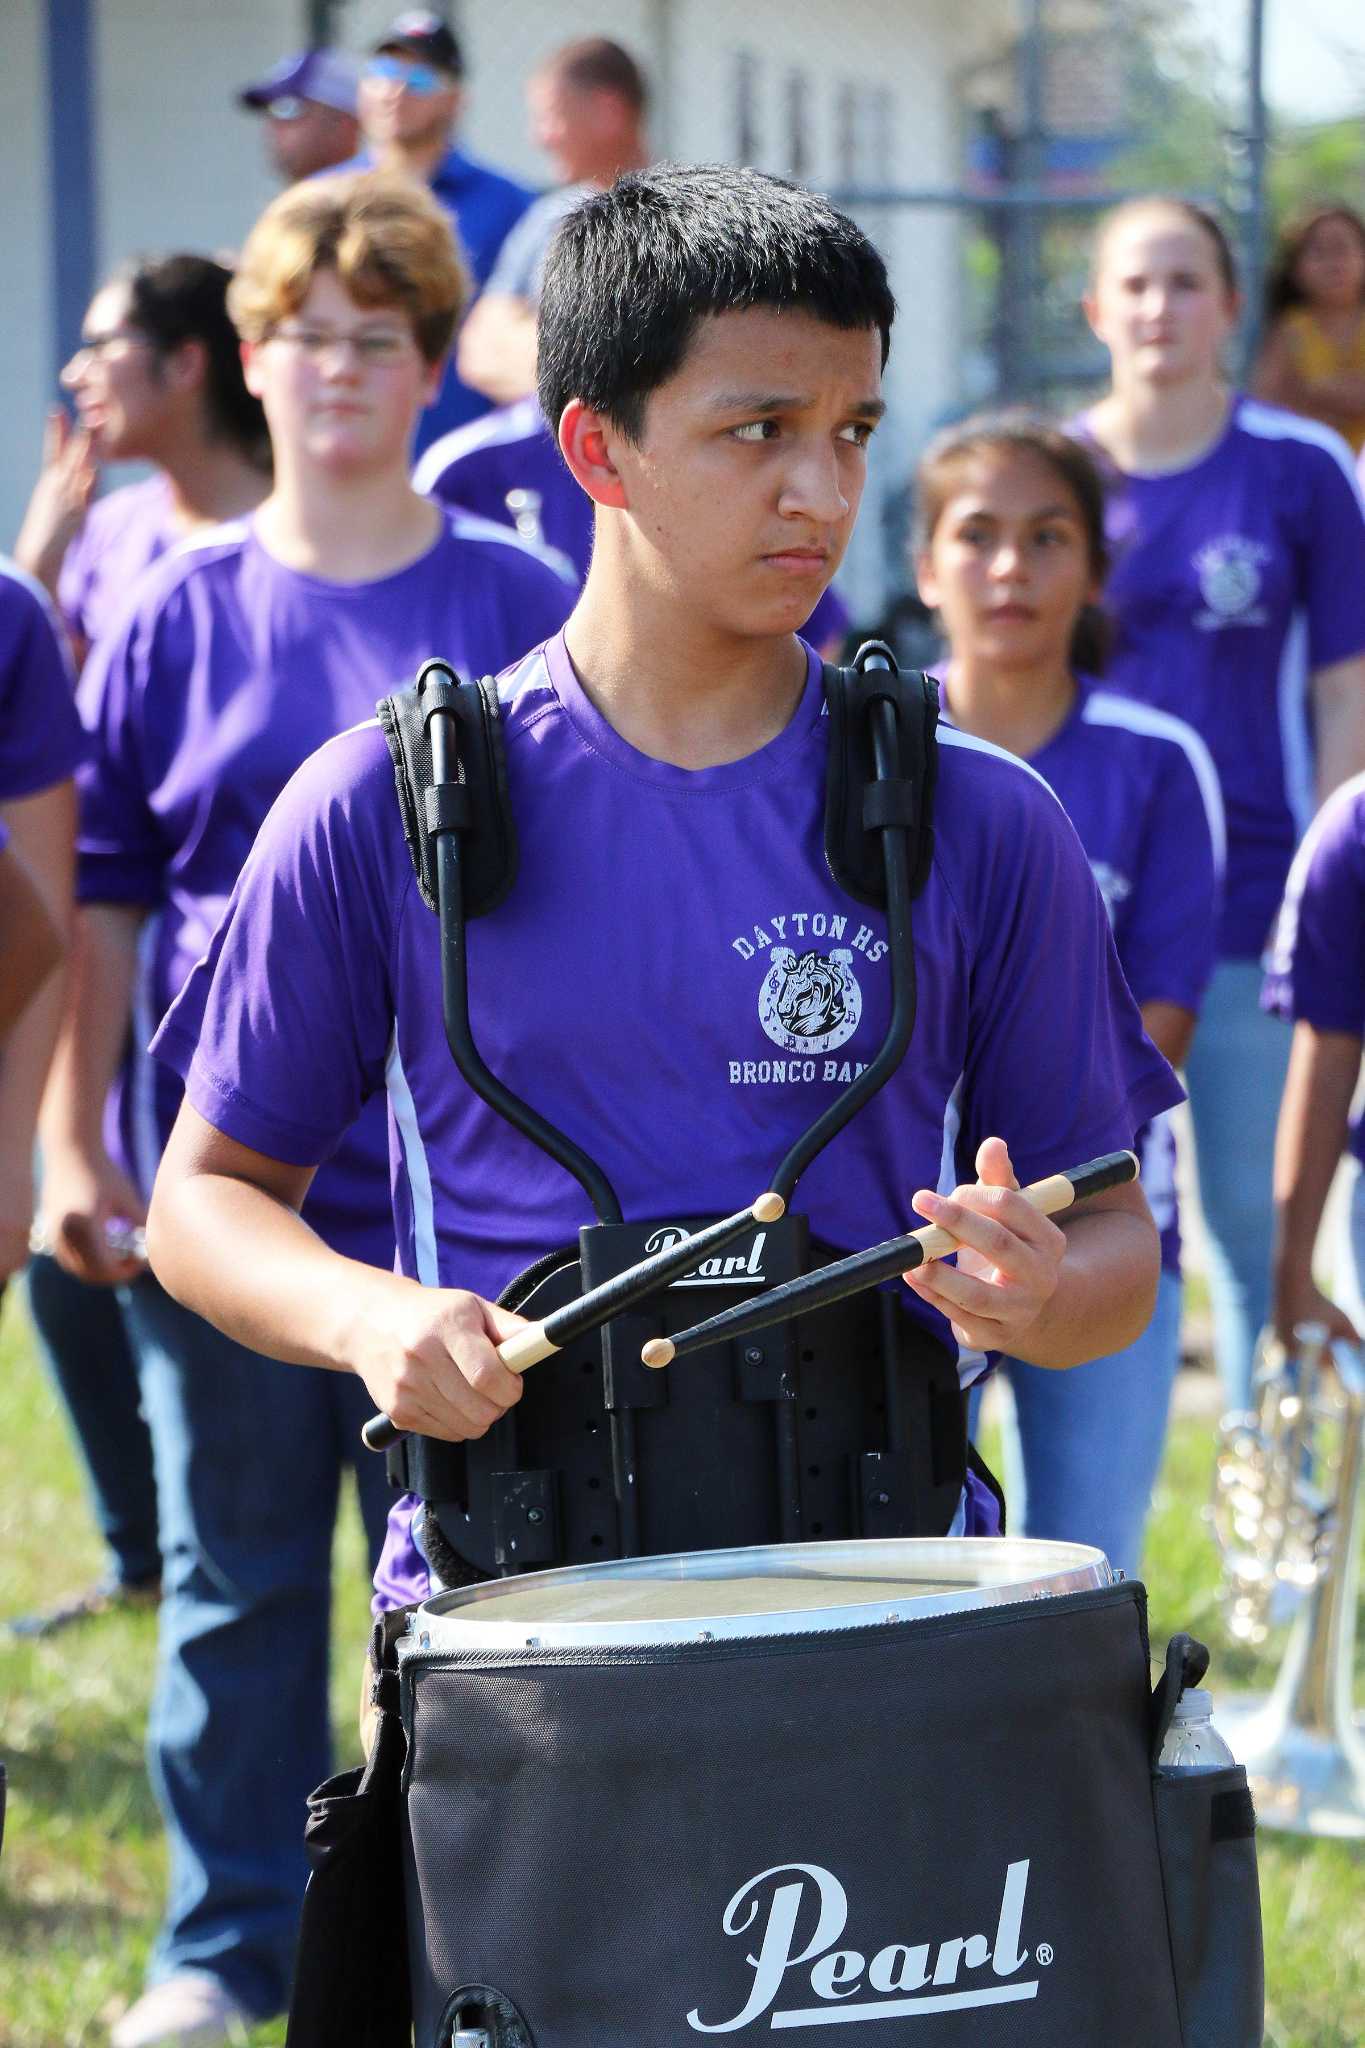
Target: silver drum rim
column 1014, row 1570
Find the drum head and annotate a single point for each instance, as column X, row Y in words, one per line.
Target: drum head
column 784, row 1589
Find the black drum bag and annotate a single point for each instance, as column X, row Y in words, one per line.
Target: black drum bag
column 948, row 1829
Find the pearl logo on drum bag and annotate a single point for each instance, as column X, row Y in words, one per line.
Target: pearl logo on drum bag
column 901, row 1981
column 742, row 1267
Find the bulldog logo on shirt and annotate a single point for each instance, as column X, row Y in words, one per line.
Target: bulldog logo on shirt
column 810, row 1002
column 1229, row 571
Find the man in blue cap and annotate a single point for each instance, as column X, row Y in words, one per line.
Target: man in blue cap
column 412, row 94
column 309, row 105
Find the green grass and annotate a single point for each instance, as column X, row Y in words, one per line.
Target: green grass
column 82, row 1869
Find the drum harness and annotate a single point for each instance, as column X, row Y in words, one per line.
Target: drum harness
column 849, row 1421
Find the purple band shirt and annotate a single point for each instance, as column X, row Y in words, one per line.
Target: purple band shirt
column 1316, row 965
column 226, row 673
column 41, row 741
column 1233, row 581
column 122, row 535
column 676, row 980
column 1142, row 791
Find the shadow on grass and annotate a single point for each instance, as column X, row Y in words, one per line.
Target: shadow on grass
column 45, row 1925
column 82, row 1774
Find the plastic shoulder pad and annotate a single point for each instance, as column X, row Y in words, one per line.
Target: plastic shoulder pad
column 857, row 805
column 490, row 842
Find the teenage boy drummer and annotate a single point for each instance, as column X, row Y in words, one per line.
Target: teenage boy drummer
column 711, row 346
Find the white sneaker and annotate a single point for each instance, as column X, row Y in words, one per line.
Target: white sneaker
column 190, row 2010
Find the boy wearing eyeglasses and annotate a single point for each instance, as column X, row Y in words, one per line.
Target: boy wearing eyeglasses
column 412, row 94
column 239, row 655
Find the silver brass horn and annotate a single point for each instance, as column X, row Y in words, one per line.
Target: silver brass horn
column 1286, row 1512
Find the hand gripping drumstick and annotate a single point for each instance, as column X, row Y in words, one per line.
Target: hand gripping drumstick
column 882, row 1262
column 538, row 1340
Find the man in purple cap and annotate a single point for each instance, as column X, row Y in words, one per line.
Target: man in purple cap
column 412, row 94
column 309, row 104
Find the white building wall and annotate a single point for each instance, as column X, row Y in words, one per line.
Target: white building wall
column 25, row 331
column 180, row 165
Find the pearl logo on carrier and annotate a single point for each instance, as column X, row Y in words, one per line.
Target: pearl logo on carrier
column 739, row 1268
column 904, row 1980
column 811, row 1002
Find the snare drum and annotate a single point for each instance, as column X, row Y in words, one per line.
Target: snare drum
column 788, row 1789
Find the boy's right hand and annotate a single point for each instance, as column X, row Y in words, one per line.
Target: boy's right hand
column 429, row 1357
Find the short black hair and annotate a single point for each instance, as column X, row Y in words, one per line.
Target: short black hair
column 633, row 270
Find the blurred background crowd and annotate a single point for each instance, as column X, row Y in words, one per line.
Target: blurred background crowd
column 1004, row 158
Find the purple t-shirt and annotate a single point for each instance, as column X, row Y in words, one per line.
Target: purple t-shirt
column 228, row 671
column 483, row 466
column 41, row 741
column 1316, row 964
column 1142, row 791
column 1232, row 582
column 122, row 535
column 745, row 990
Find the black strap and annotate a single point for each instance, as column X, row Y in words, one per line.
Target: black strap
column 351, row 1980
column 1187, row 1660
column 478, row 808
column 857, row 804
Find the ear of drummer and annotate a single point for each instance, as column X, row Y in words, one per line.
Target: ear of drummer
column 587, row 441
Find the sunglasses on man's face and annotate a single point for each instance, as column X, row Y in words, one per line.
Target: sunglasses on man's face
column 414, row 78
column 288, row 107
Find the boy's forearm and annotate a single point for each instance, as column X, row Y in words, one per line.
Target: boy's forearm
column 1106, row 1288
column 281, row 1291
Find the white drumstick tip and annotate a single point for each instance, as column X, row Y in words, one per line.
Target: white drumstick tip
column 658, row 1351
column 768, row 1209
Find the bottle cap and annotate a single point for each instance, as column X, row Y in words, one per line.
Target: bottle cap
column 1194, row 1705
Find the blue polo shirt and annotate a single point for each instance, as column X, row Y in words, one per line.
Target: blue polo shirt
column 483, row 206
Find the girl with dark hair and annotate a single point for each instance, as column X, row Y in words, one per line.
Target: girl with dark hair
column 1011, row 551
column 1239, row 562
column 157, row 378
column 1313, row 356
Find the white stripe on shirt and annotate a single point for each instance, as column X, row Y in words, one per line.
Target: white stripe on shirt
column 1105, row 707
column 415, row 1160
column 953, row 736
column 1271, row 423
column 523, row 421
column 1296, row 746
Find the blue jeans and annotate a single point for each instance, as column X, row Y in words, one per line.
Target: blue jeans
column 1090, row 1440
column 84, row 1344
column 249, row 1457
column 1235, row 1075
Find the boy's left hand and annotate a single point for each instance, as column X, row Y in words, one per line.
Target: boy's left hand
column 1007, row 1269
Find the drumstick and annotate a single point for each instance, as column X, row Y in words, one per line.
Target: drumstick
column 882, row 1262
column 538, row 1340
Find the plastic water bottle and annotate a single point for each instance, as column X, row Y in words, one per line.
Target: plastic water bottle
column 1192, row 1742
